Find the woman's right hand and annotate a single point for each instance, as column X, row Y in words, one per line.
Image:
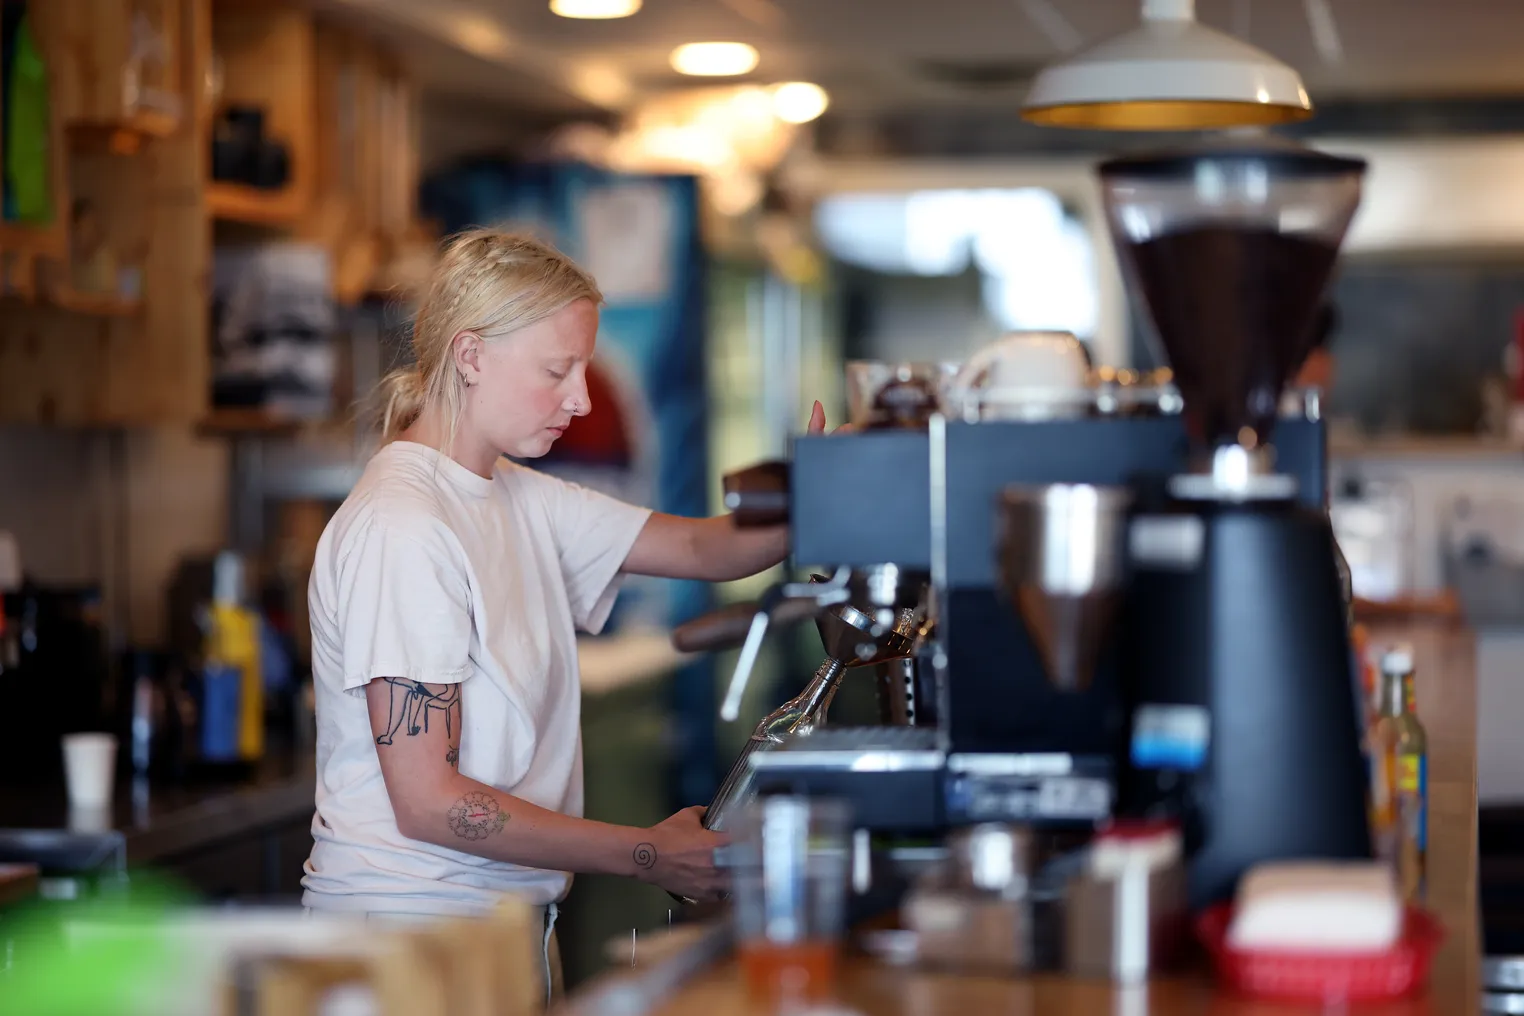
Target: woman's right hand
column 678, row 856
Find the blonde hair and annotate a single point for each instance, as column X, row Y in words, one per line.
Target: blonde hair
column 487, row 282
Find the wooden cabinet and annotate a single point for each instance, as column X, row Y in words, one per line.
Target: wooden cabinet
column 367, row 159
column 105, row 312
column 266, row 64
column 40, row 229
column 129, row 59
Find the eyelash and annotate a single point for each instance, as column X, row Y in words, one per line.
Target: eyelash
column 558, row 377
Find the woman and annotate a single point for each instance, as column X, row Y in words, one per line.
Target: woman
column 444, row 600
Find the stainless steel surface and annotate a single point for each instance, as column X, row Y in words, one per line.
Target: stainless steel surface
column 1116, row 927
column 1503, row 973
column 936, row 456
column 851, row 639
column 895, row 681
column 859, row 749
column 797, row 717
column 862, row 861
column 1235, row 473
column 1503, row 1002
column 1062, row 563
column 974, row 911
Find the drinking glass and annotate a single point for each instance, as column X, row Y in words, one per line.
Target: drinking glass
column 790, row 861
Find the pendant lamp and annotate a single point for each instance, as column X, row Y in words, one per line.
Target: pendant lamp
column 1170, row 73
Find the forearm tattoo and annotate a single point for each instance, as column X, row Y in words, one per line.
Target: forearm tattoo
column 412, row 704
column 644, row 856
column 477, row 816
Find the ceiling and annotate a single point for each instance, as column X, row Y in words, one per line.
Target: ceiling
column 876, row 56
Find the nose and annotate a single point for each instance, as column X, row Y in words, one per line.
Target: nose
column 579, row 402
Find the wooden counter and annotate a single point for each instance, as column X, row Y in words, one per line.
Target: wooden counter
column 1446, row 688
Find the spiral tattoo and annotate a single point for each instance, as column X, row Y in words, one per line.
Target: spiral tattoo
column 477, row 816
column 645, row 856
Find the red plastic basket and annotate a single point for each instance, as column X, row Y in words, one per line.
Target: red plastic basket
column 1323, row 977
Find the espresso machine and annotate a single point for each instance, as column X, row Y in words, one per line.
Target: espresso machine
column 1129, row 615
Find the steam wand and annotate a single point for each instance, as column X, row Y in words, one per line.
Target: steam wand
column 823, row 594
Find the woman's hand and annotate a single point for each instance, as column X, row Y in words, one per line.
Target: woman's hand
column 818, row 421
column 678, row 856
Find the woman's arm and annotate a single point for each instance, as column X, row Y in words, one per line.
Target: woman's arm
column 712, row 550
column 417, row 731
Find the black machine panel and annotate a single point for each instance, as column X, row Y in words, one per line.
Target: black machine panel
column 865, row 499
column 1216, row 637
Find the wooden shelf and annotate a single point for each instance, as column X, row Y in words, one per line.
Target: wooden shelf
column 236, row 202
column 45, row 241
column 76, row 302
column 96, row 304
column 120, row 137
column 238, row 422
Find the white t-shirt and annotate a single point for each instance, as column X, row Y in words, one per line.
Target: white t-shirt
column 433, row 573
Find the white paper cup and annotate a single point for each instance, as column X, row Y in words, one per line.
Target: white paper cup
column 89, row 769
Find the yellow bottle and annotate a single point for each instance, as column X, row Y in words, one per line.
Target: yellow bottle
column 233, row 641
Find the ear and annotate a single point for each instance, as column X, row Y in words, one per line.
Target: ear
column 465, row 351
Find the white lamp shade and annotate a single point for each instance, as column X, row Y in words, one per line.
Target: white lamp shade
column 1167, row 74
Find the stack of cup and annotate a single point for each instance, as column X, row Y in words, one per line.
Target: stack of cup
column 90, row 773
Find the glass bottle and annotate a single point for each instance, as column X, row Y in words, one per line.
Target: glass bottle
column 1407, row 747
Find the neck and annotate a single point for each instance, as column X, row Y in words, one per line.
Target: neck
column 466, row 448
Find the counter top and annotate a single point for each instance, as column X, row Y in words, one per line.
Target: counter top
column 161, row 821
column 876, row 990
column 1425, row 446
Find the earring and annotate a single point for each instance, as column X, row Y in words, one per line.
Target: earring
column 465, row 381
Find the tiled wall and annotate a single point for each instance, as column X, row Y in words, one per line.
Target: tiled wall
column 118, row 511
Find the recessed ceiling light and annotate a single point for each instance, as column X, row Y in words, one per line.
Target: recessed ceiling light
column 799, row 101
column 594, row 10
column 714, row 59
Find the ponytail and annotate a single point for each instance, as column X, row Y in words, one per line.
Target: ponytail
column 400, row 398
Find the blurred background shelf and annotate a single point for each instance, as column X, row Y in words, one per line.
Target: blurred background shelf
column 232, row 202
column 94, row 304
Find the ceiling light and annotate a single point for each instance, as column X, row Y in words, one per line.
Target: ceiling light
column 714, row 59
column 481, row 35
column 799, row 101
column 1170, row 73
column 594, row 10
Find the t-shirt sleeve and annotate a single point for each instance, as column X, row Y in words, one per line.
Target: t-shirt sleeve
column 594, row 534
column 405, row 607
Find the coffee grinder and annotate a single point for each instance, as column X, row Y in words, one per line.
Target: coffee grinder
column 1236, row 674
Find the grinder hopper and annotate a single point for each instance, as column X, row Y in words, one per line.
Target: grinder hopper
column 1231, row 246
column 1061, row 563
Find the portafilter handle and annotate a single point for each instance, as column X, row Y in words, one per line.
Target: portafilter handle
column 758, row 495
column 816, row 594
column 727, row 627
